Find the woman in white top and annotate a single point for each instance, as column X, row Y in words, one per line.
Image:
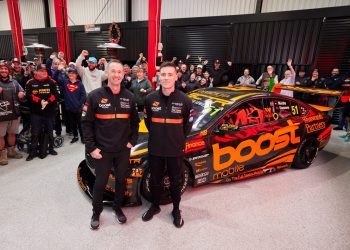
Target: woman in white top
column 289, row 79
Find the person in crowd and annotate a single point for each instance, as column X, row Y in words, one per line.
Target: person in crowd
column 134, row 71
column 191, row 69
column 18, row 73
column 314, row 81
column 207, row 77
column 246, row 80
column 199, row 72
column 10, row 93
column 185, row 74
column 91, row 77
column 289, row 79
column 127, row 76
column 300, row 79
column 141, row 87
column 192, row 82
column 75, row 96
column 101, row 64
column 110, row 131
column 71, row 65
column 268, row 79
column 219, row 74
column 203, row 83
column 334, row 82
column 41, row 92
column 167, row 148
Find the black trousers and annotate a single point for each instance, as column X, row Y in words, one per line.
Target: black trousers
column 120, row 162
column 173, row 165
column 41, row 124
column 74, row 120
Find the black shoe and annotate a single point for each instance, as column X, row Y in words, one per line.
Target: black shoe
column 121, row 218
column 178, row 221
column 95, row 221
column 52, row 152
column 148, row 215
column 338, row 128
column 75, row 139
column 42, row 156
column 30, row 157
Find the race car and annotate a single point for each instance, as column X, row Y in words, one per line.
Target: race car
column 237, row 133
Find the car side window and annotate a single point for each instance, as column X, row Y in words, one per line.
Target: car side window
column 276, row 109
column 248, row 113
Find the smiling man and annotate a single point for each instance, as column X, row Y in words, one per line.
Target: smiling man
column 110, row 129
column 168, row 120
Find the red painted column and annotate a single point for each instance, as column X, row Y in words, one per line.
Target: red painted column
column 62, row 28
column 16, row 27
column 154, row 11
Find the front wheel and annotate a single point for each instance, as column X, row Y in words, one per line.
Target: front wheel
column 165, row 196
column 306, row 154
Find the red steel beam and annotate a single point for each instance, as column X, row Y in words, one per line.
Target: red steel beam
column 154, row 12
column 16, row 27
column 61, row 15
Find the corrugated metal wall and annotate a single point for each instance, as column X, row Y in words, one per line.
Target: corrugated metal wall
column 4, row 14
column 334, row 46
column 82, row 12
column 6, row 51
column 209, row 42
column 32, row 14
column 287, row 5
column 194, row 8
column 256, row 45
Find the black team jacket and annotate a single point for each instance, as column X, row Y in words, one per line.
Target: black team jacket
column 168, row 120
column 111, row 120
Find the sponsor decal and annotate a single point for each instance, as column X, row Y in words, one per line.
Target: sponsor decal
column 201, row 169
column 155, row 104
column 124, row 105
column 280, row 139
column 197, row 176
column 156, row 109
column 201, row 180
column 198, row 157
column 136, row 172
column 104, row 106
column 228, row 172
column 176, row 110
column 248, row 175
column 179, row 104
column 204, row 132
column 194, row 145
column 312, row 118
column 200, row 163
column 104, row 100
column 310, row 128
column 135, row 161
column 44, row 91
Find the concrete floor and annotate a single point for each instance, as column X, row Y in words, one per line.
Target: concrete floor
column 42, row 207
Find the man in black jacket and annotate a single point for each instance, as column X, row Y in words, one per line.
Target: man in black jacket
column 42, row 95
column 168, row 120
column 110, row 129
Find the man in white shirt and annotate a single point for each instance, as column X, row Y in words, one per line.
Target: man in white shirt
column 91, row 77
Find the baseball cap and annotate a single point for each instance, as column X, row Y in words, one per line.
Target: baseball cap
column 200, row 66
column 92, row 59
column 15, row 60
column 72, row 70
column 217, row 61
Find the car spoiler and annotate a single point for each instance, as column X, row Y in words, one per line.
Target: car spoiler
column 321, row 99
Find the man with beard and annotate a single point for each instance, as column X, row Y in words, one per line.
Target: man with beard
column 10, row 93
column 92, row 78
column 42, row 95
column 110, row 129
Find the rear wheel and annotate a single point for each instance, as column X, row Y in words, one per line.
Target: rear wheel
column 306, row 153
column 165, row 196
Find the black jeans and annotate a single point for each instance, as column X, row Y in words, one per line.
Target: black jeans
column 174, row 169
column 74, row 120
column 41, row 124
column 120, row 162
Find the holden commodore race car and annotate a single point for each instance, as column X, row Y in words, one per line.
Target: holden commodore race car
column 237, row 133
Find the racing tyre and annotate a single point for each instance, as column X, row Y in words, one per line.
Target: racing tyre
column 306, row 154
column 165, row 196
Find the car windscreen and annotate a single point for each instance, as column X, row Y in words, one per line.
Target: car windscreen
column 204, row 111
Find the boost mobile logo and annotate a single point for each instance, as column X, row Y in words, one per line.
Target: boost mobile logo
column 280, row 139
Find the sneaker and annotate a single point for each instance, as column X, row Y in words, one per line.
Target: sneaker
column 30, row 157
column 75, row 139
column 347, row 139
column 337, row 128
column 148, row 215
column 178, row 221
column 95, row 221
column 52, row 152
column 121, row 218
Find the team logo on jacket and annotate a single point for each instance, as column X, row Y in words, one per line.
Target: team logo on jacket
column 155, row 104
column 104, row 100
column 72, row 87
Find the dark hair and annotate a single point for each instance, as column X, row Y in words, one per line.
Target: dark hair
column 168, row 64
column 115, row 61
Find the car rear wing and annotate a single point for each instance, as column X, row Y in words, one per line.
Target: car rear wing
column 321, row 99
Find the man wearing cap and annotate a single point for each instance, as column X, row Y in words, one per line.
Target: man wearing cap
column 199, row 72
column 218, row 74
column 141, row 87
column 10, row 93
column 92, row 77
column 41, row 92
column 74, row 96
